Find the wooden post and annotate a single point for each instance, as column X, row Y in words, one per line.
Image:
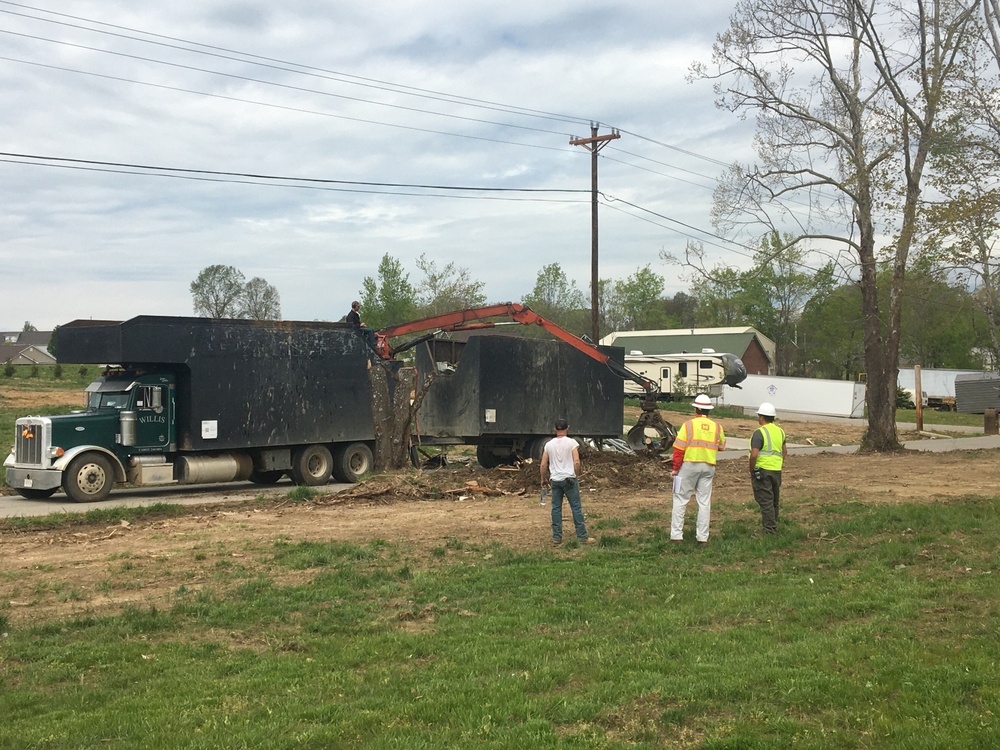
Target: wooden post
column 990, row 422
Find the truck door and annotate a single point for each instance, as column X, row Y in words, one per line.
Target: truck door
column 152, row 415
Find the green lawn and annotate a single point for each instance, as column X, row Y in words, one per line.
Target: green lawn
column 873, row 627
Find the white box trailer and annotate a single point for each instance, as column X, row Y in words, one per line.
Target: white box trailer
column 686, row 374
column 831, row 398
column 937, row 383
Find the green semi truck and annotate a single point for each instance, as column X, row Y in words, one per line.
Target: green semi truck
column 196, row 400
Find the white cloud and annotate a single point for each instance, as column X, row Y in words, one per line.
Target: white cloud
column 85, row 243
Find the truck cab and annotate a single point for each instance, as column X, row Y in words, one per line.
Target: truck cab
column 123, row 434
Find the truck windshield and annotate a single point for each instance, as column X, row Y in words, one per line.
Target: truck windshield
column 100, row 400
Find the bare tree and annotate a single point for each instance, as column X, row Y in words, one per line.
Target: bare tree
column 222, row 292
column 218, row 292
column 260, row 301
column 847, row 94
column 446, row 289
column 965, row 221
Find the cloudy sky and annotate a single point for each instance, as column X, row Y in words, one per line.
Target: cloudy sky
column 301, row 141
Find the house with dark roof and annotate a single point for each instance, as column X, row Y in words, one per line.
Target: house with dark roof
column 26, row 348
column 755, row 349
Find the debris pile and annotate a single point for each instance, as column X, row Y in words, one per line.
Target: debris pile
column 462, row 481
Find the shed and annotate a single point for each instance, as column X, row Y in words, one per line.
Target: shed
column 755, row 349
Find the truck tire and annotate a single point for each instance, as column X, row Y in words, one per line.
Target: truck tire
column 487, row 458
column 312, row 465
column 89, row 478
column 31, row 494
column 351, row 462
column 267, row 477
column 535, row 447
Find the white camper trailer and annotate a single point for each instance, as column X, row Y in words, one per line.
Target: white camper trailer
column 686, row 374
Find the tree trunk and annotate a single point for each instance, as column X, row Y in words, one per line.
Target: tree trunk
column 395, row 401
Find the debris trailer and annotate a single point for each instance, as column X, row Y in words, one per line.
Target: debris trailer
column 502, row 394
column 197, row 400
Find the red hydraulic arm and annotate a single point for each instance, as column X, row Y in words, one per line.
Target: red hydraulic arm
column 478, row 317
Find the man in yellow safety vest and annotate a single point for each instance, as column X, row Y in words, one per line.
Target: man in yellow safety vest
column 768, row 451
column 695, row 450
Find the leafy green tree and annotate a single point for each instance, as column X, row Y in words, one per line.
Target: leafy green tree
column 720, row 298
column 446, row 289
column 784, row 284
column 965, row 221
column 28, row 328
column 829, row 335
column 938, row 321
column 389, row 298
column 634, row 304
column 680, row 310
column 559, row 299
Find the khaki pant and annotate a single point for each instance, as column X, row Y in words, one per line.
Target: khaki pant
column 693, row 479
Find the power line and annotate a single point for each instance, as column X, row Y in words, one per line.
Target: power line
column 250, row 79
column 277, row 64
column 212, row 50
column 285, row 107
column 298, row 68
column 252, row 178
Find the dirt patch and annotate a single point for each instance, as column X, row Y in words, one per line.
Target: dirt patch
column 94, row 569
column 13, row 398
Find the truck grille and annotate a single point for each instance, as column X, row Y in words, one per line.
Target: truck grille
column 32, row 437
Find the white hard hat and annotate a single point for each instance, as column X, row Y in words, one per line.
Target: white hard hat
column 702, row 401
column 767, row 410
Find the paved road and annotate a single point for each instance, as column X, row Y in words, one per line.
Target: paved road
column 189, row 494
column 738, row 447
column 14, row 505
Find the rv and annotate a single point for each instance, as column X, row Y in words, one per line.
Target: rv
column 687, row 374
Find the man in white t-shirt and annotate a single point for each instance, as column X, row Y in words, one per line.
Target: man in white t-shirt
column 560, row 464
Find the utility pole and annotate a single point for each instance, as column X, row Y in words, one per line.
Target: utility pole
column 594, row 144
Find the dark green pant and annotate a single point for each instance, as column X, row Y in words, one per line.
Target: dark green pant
column 767, row 492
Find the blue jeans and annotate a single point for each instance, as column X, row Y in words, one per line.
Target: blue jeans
column 570, row 489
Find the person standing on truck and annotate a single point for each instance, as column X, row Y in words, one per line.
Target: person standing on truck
column 560, row 465
column 696, row 449
column 354, row 318
column 768, row 451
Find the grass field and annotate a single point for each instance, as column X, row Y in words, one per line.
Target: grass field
column 877, row 629
column 874, row 626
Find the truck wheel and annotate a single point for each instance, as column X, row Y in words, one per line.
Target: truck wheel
column 89, row 478
column 312, row 465
column 31, row 494
column 266, row 477
column 352, row 462
column 487, row 459
column 534, row 448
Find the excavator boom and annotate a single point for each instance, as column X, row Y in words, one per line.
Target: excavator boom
column 479, row 317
